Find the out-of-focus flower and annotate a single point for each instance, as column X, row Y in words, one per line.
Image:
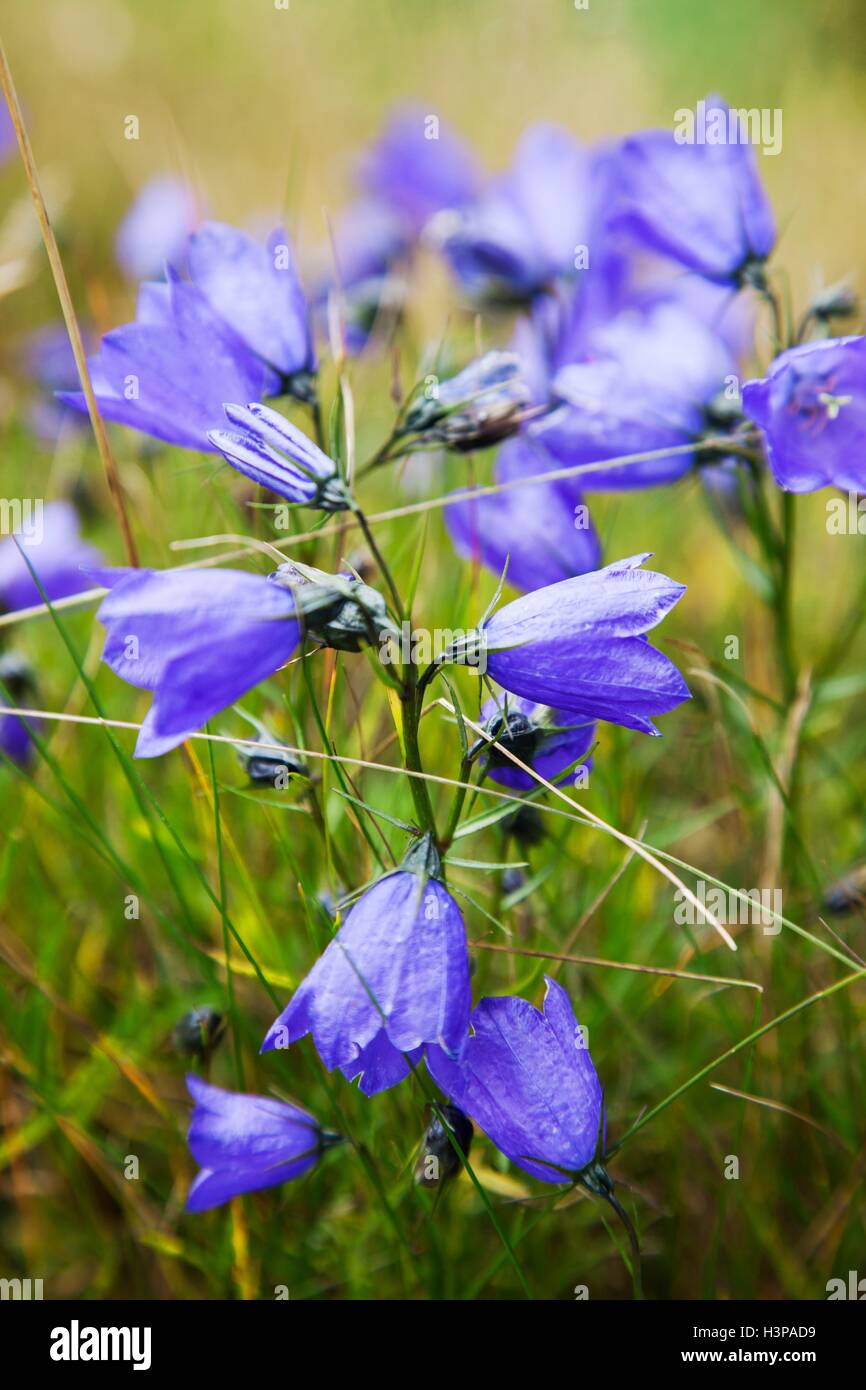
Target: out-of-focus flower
column 526, row 1078
column 847, row 894
column 526, row 228
column 439, row 1160
column 837, row 301
column 643, row 386
column 274, row 453
column 154, row 230
column 479, row 406
column 7, row 132
column 703, row 204
column 393, row 979
column 243, row 1143
column 198, row 1033
column 52, row 545
column 198, row 639
column 811, row 408
column 51, row 364
column 371, row 250
column 169, row 373
column 547, row 740
column 580, row 646
column 17, row 687
column 542, row 530
column 257, row 291
column 418, row 166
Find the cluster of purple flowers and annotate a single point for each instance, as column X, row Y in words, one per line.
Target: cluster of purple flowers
column 634, row 271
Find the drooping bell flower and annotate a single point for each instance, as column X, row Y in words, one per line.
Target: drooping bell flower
column 394, row 979
column 580, row 646
column 701, row 203
column 522, row 233
column 169, row 373
column 547, row 740
column 478, row 407
column 543, row 530
column 274, row 453
column 527, row 1079
column 198, row 639
column 418, row 166
column 244, row 1143
column 257, row 291
column 154, row 231
column 642, row 384
column 811, row 408
column 50, row 539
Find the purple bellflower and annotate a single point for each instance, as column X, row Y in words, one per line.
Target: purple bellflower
column 547, row 740
column 394, row 979
column 542, row 530
column 272, row 451
column 580, row 647
column 417, row 167
column 644, row 385
column 257, row 291
column 526, row 1078
column 522, row 233
column 169, row 373
column 811, row 408
column 155, row 229
column 700, row 202
column 53, row 546
column 198, row 639
column 243, row 1143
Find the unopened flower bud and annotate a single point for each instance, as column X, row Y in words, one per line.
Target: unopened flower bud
column 199, row 1031
column 483, row 404
column 439, row 1160
column 338, row 610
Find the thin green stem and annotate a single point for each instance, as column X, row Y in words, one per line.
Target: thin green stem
column 732, row 1052
column 380, row 561
column 456, row 805
column 411, row 707
column 783, row 599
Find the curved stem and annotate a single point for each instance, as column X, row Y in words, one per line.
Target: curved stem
column 633, row 1241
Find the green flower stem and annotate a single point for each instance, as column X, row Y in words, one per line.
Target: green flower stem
column 411, row 704
column 457, row 805
column 784, row 627
column 380, row 560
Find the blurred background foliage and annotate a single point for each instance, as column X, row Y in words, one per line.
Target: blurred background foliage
column 265, row 111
